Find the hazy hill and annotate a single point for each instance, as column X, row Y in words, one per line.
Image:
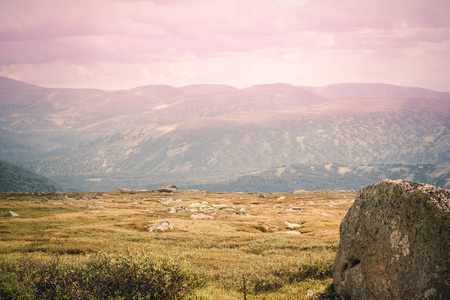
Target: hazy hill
column 324, row 177
column 204, row 89
column 100, row 139
column 375, row 90
column 16, row 179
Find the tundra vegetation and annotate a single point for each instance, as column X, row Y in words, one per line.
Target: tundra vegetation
column 95, row 246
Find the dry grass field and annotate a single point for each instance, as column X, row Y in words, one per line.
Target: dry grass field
column 250, row 255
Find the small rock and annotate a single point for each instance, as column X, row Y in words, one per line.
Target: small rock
column 262, row 196
column 93, row 207
column 219, row 206
column 166, row 201
column 171, row 210
column 160, row 227
column 310, row 294
column 201, row 216
column 281, row 198
column 292, row 225
column 122, row 190
column 168, row 188
column 243, row 212
column 11, row 214
column 180, row 208
column 290, row 232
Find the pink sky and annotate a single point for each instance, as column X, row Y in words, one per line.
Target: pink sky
column 117, row 44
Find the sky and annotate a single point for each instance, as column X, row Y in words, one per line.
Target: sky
column 121, row 44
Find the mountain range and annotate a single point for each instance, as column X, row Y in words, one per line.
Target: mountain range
column 94, row 139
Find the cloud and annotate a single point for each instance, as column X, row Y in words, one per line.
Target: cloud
column 226, row 35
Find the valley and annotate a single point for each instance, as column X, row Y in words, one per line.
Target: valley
column 281, row 244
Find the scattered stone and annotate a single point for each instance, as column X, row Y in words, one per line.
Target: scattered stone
column 299, row 192
column 281, row 198
column 171, row 210
column 262, row 196
column 219, row 206
column 160, row 227
column 11, row 198
column 169, row 188
column 201, row 216
column 290, row 232
column 44, row 200
column 94, row 207
column 10, row 214
column 122, row 190
column 292, row 225
column 243, row 212
column 309, row 294
column 198, row 206
column 394, row 243
column 57, row 203
column 166, row 201
column 180, row 208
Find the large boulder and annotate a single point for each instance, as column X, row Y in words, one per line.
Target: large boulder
column 168, row 188
column 395, row 243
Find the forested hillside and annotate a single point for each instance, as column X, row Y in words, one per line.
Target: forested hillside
column 16, row 179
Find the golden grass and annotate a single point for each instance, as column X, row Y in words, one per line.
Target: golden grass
column 228, row 247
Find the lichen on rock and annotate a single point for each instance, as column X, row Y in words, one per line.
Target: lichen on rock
column 395, row 243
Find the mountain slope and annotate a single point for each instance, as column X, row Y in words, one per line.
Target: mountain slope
column 161, row 133
column 375, row 90
column 16, row 179
column 324, row 177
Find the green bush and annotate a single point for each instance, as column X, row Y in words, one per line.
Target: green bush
column 135, row 275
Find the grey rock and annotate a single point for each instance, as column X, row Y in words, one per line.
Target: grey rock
column 243, row 212
column 122, row 190
column 160, row 227
column 218, row 206
column 395, row 243
column 180, row 208
column 11, row 214
column 201, row 216
column 166, row 201
column 292, row 225
column 170, row 188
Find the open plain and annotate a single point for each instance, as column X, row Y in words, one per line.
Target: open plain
column 246, row 245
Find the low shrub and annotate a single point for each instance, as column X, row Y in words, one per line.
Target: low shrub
column 270, row 278
column 134, row 275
